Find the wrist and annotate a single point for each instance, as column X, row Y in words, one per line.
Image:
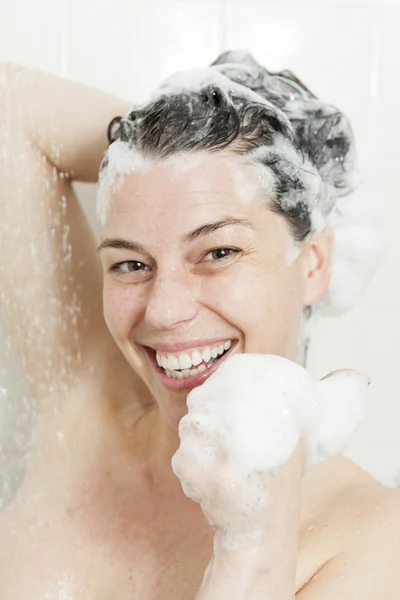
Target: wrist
column 248, row 575
column 259, row 563
column 274, row 526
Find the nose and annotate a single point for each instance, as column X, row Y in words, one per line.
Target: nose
column 172, row 301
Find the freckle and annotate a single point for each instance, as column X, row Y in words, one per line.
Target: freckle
column 70, row 512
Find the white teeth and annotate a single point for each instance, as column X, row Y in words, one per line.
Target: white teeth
column 159, row 359
column 173, row 362
column 184, row 361
column 184, row 365
column 206, row 354
column 196, row 358
column 214, row 352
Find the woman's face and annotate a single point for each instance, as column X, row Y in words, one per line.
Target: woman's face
column 193, row 269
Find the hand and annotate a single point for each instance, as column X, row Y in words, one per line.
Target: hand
column 251, row 429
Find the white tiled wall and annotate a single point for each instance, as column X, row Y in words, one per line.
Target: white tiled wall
column 347, row 52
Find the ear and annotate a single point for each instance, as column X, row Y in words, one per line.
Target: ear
column 316, row 266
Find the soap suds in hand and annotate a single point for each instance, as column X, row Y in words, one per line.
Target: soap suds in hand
column 248, row 418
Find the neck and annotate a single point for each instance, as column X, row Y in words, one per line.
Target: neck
column 163, row 442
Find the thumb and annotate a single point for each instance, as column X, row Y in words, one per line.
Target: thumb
column 349, row 373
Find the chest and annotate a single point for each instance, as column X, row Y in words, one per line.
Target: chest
column 63, row 560
column 115, row 541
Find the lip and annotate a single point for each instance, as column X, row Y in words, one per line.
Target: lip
column 189, row 383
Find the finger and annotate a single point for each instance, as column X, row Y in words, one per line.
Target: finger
column 349, row 373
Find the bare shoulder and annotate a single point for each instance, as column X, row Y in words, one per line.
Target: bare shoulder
column 365, row 505
column 353, row 505
column 372, row 512
column 356, row 533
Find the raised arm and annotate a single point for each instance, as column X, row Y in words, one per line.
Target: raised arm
column 52, row 131
column 65, row 120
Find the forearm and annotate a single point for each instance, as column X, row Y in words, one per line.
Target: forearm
column 67, row 121
column 261, row 569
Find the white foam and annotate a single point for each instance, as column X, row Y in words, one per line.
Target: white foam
column 122, row 159
column 251, row 415
column 196, row 80
column 183, row 163
column 358, row 252
column 340, row 409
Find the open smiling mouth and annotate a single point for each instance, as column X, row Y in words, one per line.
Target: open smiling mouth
column 189, row 364
column 190, row 368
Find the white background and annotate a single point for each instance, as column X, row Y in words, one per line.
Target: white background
column 346, row 52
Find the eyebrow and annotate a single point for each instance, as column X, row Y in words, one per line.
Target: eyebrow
column 215, row 226
column 206, row 229
column 121, row 244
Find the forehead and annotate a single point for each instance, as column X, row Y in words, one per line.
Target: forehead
column 187, row 186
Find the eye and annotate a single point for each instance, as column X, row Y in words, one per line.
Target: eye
column 129, row 266
column 220, row 254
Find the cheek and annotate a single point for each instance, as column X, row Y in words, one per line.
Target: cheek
column 264, row 305
column 122, row 309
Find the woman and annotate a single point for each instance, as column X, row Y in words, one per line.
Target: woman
column 211, row 201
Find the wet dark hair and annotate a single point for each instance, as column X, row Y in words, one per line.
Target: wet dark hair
column 285, row 115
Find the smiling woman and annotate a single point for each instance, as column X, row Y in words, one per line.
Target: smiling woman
column 218, row 202
column 177, row 299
